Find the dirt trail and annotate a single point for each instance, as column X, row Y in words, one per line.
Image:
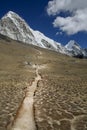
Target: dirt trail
column 25, row 116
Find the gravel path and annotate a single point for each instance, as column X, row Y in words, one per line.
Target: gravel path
column 25, row 115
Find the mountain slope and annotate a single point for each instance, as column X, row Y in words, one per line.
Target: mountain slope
column 60, row 99
column 16, row 28
column 13, row 26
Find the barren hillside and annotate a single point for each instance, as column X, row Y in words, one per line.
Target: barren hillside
column 60, row 99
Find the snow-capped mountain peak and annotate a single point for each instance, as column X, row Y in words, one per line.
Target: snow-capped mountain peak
column 10, row 14
column 15, row 27
column 74, row 48
column 72, row 44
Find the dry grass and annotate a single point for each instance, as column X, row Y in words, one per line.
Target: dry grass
column 14, row 77
column 60, row 98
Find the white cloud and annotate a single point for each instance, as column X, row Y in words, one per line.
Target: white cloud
column 72, row 24
column 59, row 33
column 56, row 6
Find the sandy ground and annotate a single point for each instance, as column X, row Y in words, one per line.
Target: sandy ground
column 25, row 115
column 60, row 99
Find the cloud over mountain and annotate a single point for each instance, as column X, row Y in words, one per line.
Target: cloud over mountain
column 74, row 23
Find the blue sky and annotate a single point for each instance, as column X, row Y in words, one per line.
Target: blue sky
column 41, row 17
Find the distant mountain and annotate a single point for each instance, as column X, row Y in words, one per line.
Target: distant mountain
column 75, row 50
column 13, row 26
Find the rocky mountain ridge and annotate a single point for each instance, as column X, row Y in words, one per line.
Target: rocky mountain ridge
column 13, row 26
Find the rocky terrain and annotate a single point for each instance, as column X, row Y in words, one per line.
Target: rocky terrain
column 60, row 99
